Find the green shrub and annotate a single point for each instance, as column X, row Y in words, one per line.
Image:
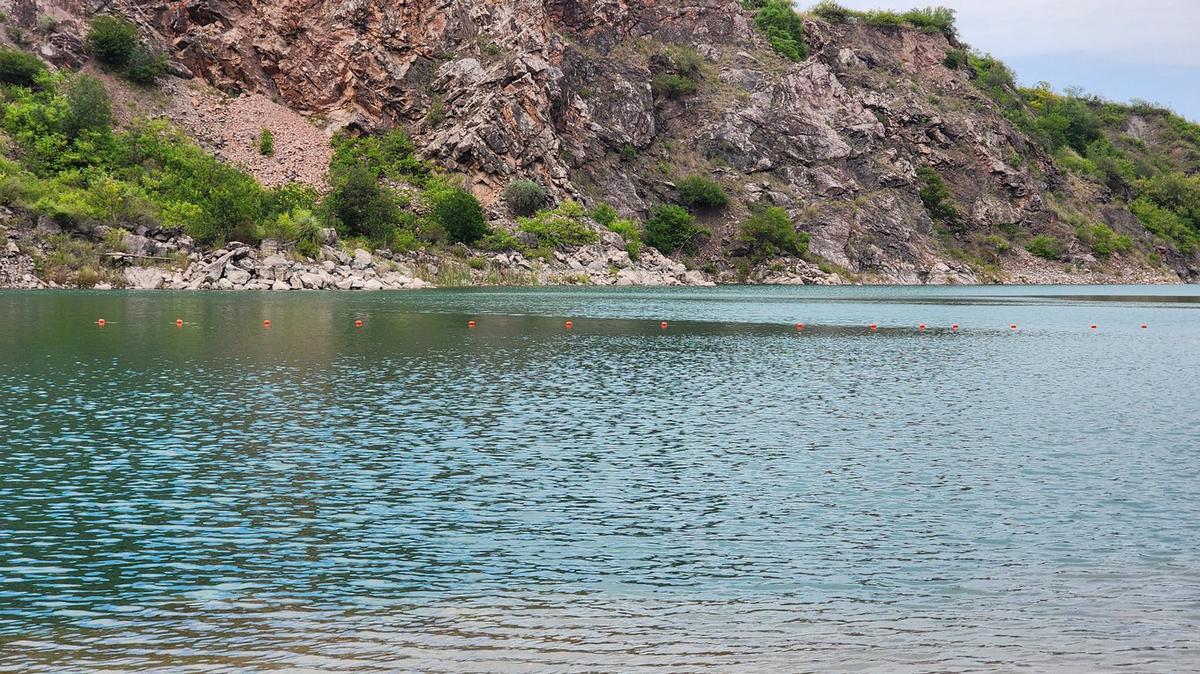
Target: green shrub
column 112, row 40
column 1000, row 244
column 358, row 206
column 20, row 68
column 628, row 152
column 938, row 200
column 701, row 193
column 769, row 233
column 670, row 228
column 1046, row 246
column 956, row 59
column 928, row 19
column 391, row 155
column 562, row 226
column 783, row 28
column 524, row 197
column 1166, row 224
column 1103, row 240
column 604, row 214
column 266, row 143
column 631, row 233
column 673, row 86
column 501, row 240
column 145, row 66
column 460, row 215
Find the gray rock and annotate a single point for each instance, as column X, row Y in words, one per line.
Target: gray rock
column 280, row 285
column 237, row 276
column 373, row 284
column 362, row 259
column 144, row 278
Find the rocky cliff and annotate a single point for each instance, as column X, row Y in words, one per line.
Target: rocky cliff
column 561, row 92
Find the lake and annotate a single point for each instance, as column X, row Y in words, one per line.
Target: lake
column 729, row 494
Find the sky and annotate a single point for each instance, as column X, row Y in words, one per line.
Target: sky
column 1118, row 49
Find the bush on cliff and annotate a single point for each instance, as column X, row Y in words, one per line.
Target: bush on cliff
column 524, row 197
column 112, row 40
column 769, row 233
column 701, row 193
column 1046, row 247
column 20, row 68
column 783, row 28
column 938, row 200
column 670, row 228
column 391, row 156
column 929, row 19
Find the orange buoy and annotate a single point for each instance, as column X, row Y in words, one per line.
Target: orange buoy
column 1094, row 326
column 663, row 325
column 179, row 322
column 358, row 324
column 873, row 327
column 800, row 327
column 470, row 324
column 102, row 322
column 569, row 325
column 266, row 324
column 921, row 327
column 954, row 327
column 1144, row 326
column 1013, row 326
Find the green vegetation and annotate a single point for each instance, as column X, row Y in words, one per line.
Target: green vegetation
column 956, row 59
column 390, row 156
column 115, row 43
column 112, row 40
column 678, row 73
column 938, row 200
column 20, row 68
column 631, row 233
column 769, row 233
column 671, row 228
column 524, row 197
column 604, row 214
column 358, row 206
column 1046, row 246
column 929, row 19
column 460, row 215
column 782, row 26
column 1090, row 137
column 1103, row 240
column 701, row 193
column 266, row 143
column 565, row 225
column 74, row 167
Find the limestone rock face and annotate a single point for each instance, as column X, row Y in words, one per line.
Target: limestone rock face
column 560, row 91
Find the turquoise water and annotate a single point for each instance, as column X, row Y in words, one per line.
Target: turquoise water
column 725, row 496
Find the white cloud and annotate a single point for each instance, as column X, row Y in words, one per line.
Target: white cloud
column 1159, row 32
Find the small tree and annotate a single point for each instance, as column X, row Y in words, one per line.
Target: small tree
column 90, row 108
column 112, row 40
column 145, row 65
column 358, row 206
column 769, row 233
column 1046, row 247
column 671, row 227
column 461, row 215
column 524, row 197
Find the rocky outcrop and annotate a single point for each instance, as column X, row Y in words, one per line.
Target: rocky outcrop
column 560, row 92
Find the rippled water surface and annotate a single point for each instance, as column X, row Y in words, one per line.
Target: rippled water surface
column 727, row 495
